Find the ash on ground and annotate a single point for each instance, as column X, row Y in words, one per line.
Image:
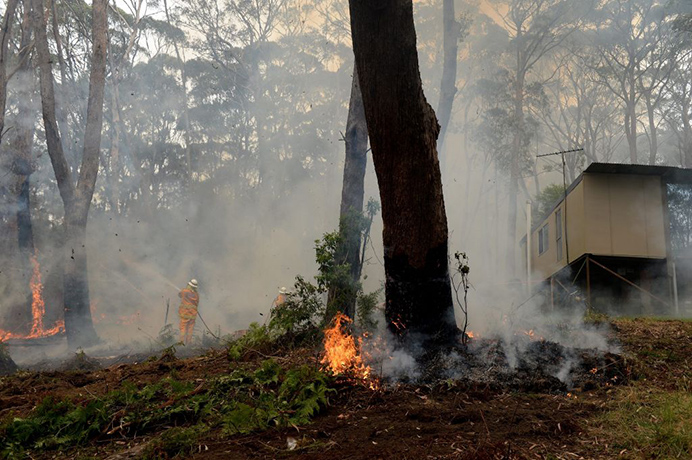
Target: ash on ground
column 541, row 366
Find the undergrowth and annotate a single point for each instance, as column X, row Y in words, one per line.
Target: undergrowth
column 241, row 402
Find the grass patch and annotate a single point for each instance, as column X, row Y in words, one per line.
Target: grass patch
column 653, row 423
column 241, row 402
column 592, row 316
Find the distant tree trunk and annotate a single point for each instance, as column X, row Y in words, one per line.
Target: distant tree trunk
column 403, row 133
column 653, row 129
column 352, row 197
column 515, row 169
column 631, row 118
column 448, row 87
column 76, row 198
column 5, row 33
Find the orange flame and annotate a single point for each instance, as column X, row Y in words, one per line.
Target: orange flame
column 38, row 306
column 38, row 309
column 341, row 354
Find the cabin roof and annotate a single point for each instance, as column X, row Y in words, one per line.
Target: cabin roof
column 669, row 173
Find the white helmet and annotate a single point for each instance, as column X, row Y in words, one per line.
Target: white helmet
column 193, row 283
column 283, row 290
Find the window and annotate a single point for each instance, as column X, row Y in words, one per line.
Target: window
column 543, row 239
column 558, row 234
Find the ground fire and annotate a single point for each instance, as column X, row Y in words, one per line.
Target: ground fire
column 342, row 356
column 38, row 310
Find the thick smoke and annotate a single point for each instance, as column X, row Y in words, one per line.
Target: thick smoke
column 243, row 246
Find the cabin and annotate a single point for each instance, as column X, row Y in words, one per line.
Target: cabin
column 620, row 239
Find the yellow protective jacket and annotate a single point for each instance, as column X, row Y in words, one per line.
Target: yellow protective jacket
column 189, row 301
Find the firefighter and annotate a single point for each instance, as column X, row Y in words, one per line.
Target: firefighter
column 189, row 301
column 280, row 299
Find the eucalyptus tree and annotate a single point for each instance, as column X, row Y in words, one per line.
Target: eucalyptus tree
column 633, row 61
column 76, row 197
column 403, row 132
column 534, row 29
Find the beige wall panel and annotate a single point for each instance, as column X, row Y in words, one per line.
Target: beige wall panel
column 576, row 221
column 628, row 215
column 597, row 214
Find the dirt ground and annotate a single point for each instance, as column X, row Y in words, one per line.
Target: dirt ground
column 450, row 419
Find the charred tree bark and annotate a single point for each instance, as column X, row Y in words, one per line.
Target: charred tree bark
column 76, row 198
column 448, row 87
column 403, row 133
column 352, row 197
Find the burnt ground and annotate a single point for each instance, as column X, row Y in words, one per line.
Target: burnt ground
column 527, row 416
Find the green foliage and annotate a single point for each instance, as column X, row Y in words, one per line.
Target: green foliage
column 281, row 398
column 256, row 338
column 300, row 314
column 366, row 305
column 546, row 199
column 304, row 313
column 177, row 442
column 592, row 316
column 241, row 402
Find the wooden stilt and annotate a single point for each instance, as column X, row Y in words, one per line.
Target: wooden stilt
column 588, row 283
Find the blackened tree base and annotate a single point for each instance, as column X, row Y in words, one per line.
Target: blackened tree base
column 420, row 308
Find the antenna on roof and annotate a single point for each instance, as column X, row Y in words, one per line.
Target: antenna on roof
column 564, row 184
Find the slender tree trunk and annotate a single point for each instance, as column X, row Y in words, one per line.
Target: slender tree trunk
column 17, row 148
column 631, row 122
column 66, row 91
column 352, row 197
column 653, row 130
column 515, row 170
column 448, row 88
column 5, row 33
column 403, row 133
column 76, row 198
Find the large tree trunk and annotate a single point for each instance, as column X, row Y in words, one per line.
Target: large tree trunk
column 22, row 140
column 403, row 133
column 76, row 199
column 448, row 87
column 352, row 196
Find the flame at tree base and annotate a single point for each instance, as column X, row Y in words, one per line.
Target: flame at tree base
column 38, row 310
column 342, row 356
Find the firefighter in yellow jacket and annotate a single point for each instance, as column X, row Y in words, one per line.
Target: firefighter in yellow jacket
column 189, row 301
